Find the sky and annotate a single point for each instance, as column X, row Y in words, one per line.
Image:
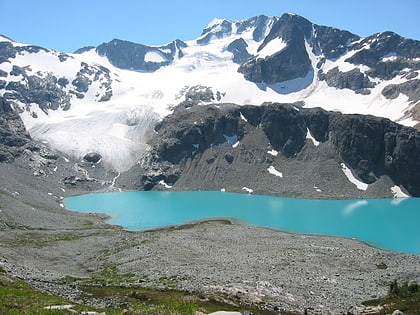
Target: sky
column 68, row 25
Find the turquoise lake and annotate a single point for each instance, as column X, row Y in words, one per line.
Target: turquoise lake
column 392, row 224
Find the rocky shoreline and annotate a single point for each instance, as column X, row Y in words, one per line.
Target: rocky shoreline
column 276, row 270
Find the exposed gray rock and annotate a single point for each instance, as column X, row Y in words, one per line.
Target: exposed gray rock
column 376, row 47
column 43, row 91
column 92, row 157
column 239, row 51
column 13, row 135
column 215, row 31
column 131, row 56
column 293, row 62
column 410, row 88
column 195, row 145
column 353, row 79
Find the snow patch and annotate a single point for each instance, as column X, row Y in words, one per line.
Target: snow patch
column 390, row 57
column 154, row 56
column 273, row 47
column 214, row 22
column 5, row 39
column 243, row 118
column 310, row 137
column 273, row 152
column 164, row 184
column 359, row 184
column 274, row 172
column 248, row 190
column 317, row 189
column 398, row 193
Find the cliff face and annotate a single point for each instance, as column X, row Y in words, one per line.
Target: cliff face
column 281, row 149
column 13, row 135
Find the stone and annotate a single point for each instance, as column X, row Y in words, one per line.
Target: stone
column 92, row 157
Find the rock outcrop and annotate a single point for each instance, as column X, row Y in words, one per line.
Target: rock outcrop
column 13, row 135
column 138, row 57
column 229, row 146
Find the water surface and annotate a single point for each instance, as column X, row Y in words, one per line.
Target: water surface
column 387, row 223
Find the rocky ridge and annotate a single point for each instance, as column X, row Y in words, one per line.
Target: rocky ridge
column 230, row 147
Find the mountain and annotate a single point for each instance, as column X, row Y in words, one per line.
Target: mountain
column 106, row 100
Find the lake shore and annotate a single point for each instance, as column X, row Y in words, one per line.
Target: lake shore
column 55, row 250
column 277, row 270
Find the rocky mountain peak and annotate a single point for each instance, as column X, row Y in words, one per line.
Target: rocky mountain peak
column 220, row 28
column 132, row 56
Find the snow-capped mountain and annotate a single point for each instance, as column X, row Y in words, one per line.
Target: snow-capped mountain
column 104, row 99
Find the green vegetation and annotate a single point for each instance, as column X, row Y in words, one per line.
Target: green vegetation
column 18, row 298
column 405, row 298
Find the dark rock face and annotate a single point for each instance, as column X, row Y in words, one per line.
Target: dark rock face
column 382, row 45
column 13, row 135
column 197, row 140
column 131, row 56
column 410, row 88
column 239, row 51
column 186, row 138
column 384, row 56
column 373, row 146
column 35, row 89
column 331, row 42
column 291, row 62
column 353, row 79
column 92, row 157
column 46, row 90
column 276, row 122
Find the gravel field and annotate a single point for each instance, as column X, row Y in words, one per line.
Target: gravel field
column 42, row 243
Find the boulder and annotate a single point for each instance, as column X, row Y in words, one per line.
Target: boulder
column 92, row 157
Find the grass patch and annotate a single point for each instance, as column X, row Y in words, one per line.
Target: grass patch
column 152, row 301
column 16, row 297
column 405, row 297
